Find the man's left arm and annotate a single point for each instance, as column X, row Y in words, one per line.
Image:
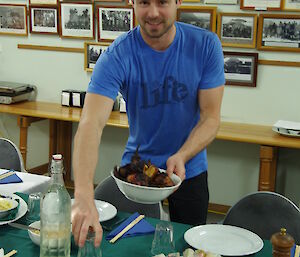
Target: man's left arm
column 203, row 133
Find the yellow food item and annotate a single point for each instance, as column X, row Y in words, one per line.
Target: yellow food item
column 5, row 205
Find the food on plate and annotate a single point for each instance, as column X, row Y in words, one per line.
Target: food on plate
column 5, row 205
column 142, row 173
column 198, row 253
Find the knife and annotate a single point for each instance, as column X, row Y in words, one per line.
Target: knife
column 25, row 227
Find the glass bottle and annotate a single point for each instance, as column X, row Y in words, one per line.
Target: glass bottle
column 89, row 249
column 55, row 214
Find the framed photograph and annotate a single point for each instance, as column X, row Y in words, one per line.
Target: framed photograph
column 13, row 19
column 77, row 20
column 38, row 2
column 279, row 32
column 201, row 16
column 291, row 5
column 92, row 51
column 240, row 68
column 261, row 5
column 43, row 19
column 114, row 21
column 220, row 1
column 237, row 29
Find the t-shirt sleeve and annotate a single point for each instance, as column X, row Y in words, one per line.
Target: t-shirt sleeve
column 213, row 72
column 107, row 76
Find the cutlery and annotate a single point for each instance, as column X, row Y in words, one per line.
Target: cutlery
column 11, row 253
column 25, row 227
column 129, row 226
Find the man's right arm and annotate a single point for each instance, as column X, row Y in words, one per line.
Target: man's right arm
column 96, row 111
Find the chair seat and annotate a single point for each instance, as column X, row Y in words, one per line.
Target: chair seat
column 265, row 213
column 108, row 191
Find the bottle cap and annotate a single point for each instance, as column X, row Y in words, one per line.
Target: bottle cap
column 57, row 157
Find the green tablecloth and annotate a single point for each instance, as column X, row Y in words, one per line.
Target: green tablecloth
column 12, row 238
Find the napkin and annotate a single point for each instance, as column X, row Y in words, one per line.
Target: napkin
column 141, row 228
column 12, row 214
column 11, row 179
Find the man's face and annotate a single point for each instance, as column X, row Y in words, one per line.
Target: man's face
column 155, row 17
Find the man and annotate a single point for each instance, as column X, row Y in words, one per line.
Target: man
column 171, row 76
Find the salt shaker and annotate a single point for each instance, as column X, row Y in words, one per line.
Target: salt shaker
column 282, row 244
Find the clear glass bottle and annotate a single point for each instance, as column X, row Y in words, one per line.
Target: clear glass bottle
column 55, row 214
column 89, row 249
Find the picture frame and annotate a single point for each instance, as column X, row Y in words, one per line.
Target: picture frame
column 43, row 19
column 279, row 32
column 201, row 16
column 220, row 1
column 237, row 29
column 76, row 20
column 261, row 5
column 92, row 51
column 42, row 2
column 291, row 5
column 13, row 19
column 114, row 21
column 240, row 68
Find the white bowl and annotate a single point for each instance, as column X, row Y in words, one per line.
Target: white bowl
column 35, row 237
column 11, row 203
column 145, row 194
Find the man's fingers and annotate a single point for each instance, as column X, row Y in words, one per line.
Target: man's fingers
column 76, row 226
column 83, row 233
column 98, row 234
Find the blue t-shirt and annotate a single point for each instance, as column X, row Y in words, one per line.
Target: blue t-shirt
column 161, row 89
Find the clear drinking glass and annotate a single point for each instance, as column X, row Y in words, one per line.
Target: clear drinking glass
column 163, row 241
column 34, row 200
column 89, row 249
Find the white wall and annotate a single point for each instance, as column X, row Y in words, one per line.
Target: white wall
column 233, row 167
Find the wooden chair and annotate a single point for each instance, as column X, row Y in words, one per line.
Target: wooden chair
column 108, row 191
column 264, row 213
column 10, row 156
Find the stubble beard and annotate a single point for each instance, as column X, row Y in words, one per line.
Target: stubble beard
column 155, row 34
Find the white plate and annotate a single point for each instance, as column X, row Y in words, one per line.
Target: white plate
column 21, row 212
column 106, row 210
column 287, row 132
column 224, row 240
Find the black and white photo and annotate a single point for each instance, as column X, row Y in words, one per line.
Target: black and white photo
column 292, row 5
column 261, row 5
column 220, row 1
column 54, row 2
column 92, row 53
column 77, row 20
column 198, row 16
column 279, row 32
column 237, row 30
column 240, row 68
column 114, row 21
column 13, row 19
column 43, row 19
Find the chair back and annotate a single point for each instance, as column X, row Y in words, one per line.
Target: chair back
column 10, row 156
column 265, row 213
column 108, row 191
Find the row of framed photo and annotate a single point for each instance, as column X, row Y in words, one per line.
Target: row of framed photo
column 268, row 5
column 240, row 67
column 276, row 32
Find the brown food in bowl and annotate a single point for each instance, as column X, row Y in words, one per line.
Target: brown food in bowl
column 142, row 173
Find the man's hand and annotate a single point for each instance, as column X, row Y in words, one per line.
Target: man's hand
column 175, row 164
column 85, row 215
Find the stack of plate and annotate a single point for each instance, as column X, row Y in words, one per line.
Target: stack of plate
column 287, row 128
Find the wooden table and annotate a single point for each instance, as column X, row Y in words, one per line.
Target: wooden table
column 60, row 138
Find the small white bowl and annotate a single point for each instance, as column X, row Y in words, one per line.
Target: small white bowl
column 11, row 203
column 145, row 194
column 35, row 237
